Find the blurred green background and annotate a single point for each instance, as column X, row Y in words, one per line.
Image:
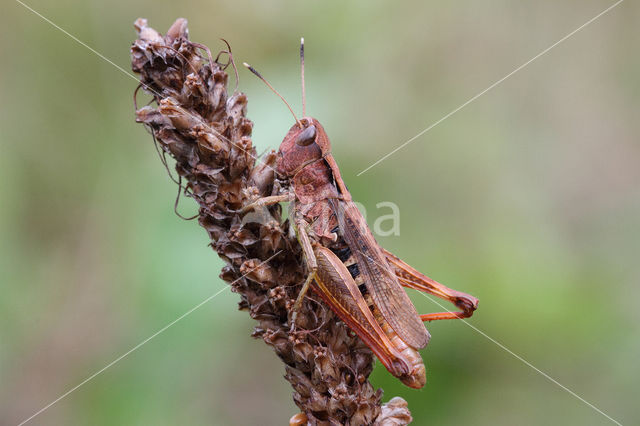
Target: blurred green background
column 528, row 198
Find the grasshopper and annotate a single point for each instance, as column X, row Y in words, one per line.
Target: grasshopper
column 359, row 280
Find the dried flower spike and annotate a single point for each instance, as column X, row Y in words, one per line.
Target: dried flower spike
column 194, row 120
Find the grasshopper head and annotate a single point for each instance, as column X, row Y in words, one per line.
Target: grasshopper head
column 303, row 145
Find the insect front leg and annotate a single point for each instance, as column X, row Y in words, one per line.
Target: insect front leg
column 310, row 260
column 268, row 201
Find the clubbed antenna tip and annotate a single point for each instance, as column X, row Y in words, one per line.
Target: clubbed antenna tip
column 253, row 70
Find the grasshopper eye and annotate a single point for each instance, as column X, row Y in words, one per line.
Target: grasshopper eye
column 307, row 136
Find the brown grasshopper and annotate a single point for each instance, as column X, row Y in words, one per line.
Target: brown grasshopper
column 359, row 280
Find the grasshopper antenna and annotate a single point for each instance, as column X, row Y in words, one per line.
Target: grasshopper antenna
column 257, row 74
column 304, row 97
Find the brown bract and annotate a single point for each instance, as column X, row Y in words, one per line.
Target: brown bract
column 194, row 120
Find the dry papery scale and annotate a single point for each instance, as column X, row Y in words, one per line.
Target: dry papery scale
column 204, row 129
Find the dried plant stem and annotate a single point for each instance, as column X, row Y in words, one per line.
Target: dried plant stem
column 195, row 121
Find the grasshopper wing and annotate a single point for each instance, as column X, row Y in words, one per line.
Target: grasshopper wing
column 337, row 288
column 381, row 282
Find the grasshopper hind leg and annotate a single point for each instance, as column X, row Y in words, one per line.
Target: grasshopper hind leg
column 410, row 277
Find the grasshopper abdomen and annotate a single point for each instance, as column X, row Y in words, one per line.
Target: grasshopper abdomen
column 416, row 375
